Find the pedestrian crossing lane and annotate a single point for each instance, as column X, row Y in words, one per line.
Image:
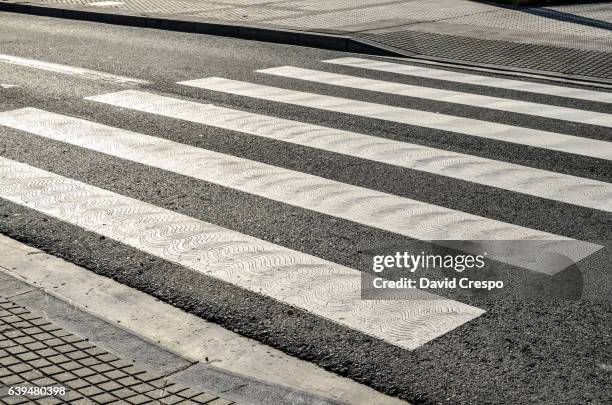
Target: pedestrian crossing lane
column 455, row 124
column 400, row 215
column 521, row 179
column 293, row 278
column 448, row 96
column 318, row 286
column 479, row 80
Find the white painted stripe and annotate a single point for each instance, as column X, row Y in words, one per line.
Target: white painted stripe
column 71, row 70
column 521, row 179
column 502, row 72
column 7, row 86
column 391, row 213
column 106, row 3
column 468, row 78
column 447, row 96
column 307, row 282
column 190, row 336
column 489, row 130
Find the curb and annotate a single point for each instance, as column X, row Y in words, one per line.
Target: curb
column 264, row 34
column 334, row 42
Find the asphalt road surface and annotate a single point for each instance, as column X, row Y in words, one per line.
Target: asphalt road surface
column 240, row 182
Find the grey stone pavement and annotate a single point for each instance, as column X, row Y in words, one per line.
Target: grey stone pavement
column 61, row 367
column 569, row 40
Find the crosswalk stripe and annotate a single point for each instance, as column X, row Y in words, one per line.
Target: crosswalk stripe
column 540, row 183
column 467, row 78
column 71, row 70
column 323, row 288
column 448, row 96
column 391, row 213
column 484, row 129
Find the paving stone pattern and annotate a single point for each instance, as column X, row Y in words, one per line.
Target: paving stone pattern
column 525, row 56
column 35, row 352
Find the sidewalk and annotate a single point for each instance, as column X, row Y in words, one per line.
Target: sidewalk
column 64, row 326
column 61, row 367
column 569, row 40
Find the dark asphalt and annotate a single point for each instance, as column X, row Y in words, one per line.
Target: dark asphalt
column 518, row 352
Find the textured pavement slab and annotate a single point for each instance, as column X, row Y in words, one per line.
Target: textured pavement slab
column 56, row 366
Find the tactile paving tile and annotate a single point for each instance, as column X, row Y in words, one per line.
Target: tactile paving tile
column 34, row 352
column 527, row 56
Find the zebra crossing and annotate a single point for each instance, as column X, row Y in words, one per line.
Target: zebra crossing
column 464, row 126
column 326, row 289
column 391, row 213
column 479, row 80
column 521, row 179
column 318, row 286
column 447, row 96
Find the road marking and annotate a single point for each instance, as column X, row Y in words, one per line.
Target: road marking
column 106, row 3
column 502, row 72
column 467, row 78
column 521, row 179
column 7, row 86
column 323, row 288
column 71, row 70
column 190, row 336
column 391, row 213
column 447, row 96
column 467, row 126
